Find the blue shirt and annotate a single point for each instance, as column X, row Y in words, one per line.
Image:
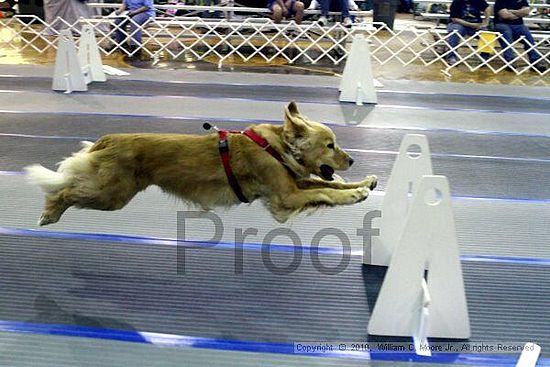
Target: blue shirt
column 468, row 10
column 511, row 5
column 136, row 4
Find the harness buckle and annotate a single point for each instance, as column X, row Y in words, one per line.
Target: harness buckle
column 223, row 146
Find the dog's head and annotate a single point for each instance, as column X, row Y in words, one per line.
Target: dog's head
column 313, row 145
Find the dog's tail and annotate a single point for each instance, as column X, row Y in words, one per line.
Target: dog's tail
column 47, row 180
column 51, row 181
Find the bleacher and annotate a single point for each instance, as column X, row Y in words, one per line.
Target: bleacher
column 230, row 9
column 538, row 22
column 247, row 31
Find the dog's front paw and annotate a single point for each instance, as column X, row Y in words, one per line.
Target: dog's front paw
column 371, row 182
column 338, row 178
column 360, row 194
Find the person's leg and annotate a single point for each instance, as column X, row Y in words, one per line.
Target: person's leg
column 507, row 36
column 405, row 6
column 469, row 32
column 139, row 19
column 325, row 7
column 528, row 41
column 206, row 13
column 344, row 8
column 298, row 11
column 120, row 24
column 453, row 38
column 217, row 13
column 276, row 13
column 289, row 4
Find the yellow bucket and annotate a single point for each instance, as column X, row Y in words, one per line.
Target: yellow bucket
column 487, row 42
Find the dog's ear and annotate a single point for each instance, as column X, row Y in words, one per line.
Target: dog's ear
column 295, row 127
column 292, row 109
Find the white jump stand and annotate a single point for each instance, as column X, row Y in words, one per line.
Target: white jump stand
column 410, row 304
column 357, row 83
column 404, row 179
column 89, row 57
column 67, row 74
column 73, row 72
column 529, row 356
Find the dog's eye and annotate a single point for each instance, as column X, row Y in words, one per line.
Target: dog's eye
column 330, row 146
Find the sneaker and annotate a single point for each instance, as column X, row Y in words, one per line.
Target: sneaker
column 323, row 21
column 313, row 5
column 347, row 22
column 451, row 60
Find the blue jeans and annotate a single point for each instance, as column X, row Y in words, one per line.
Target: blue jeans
column 208, row 14
column 406, row 5
column 512, row 32
column 335, row 5
column 140, row 19
column 463, row 31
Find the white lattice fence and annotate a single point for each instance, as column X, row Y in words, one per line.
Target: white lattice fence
column 199, row 38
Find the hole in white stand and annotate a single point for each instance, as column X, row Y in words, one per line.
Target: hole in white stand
column 410, row 190
column 414, row 151
column 433, row 197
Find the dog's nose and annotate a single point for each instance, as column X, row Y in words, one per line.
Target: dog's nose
column 350, row 161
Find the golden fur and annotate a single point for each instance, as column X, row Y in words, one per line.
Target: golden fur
column 107, row 174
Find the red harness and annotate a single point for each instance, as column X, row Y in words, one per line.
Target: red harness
column 223, row 146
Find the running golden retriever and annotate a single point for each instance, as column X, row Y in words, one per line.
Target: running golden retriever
column 107, row 174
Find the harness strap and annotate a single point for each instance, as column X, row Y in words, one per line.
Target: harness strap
column 223, row 147
column 258, row 139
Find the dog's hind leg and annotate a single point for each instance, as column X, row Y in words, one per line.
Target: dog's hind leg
column 113, row 197
column 56, row 205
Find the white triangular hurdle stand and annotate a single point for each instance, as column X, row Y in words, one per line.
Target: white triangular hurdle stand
column 89, row 57
column 408, row 304
column 74, row 71
column 419, row 235
column 67, row 74
column 357, row 84
column 412, row 162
